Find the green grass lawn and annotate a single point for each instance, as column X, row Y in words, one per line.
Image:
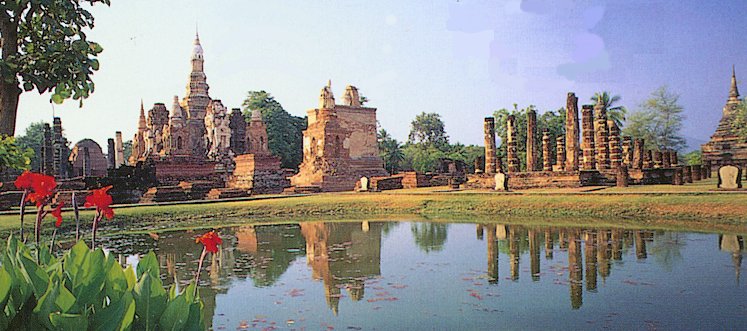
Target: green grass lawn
column 671, row 210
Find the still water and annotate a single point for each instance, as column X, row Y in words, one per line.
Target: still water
column 390, row 275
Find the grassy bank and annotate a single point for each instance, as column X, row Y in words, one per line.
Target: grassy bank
column 700, row 212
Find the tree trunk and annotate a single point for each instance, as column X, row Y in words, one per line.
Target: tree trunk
column 9, row 94
column 9, row 90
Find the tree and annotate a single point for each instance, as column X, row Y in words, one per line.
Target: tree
column 13, row 157
column 694, row 157
column 739, row 120
column 615, row 113
column 659, row 121
column 284, row 131
column 429, row 237
column 428, row 130
column 44, row 47
column 127, row 149
column 390, row 150
column 421, row 158
column 554, row 121
column 33, row 138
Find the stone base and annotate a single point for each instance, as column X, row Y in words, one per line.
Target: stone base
column 172, row 170
column 227, row 193
column 185, row 191
column 337, row 174
column 541, row 179
column 258, row 174
column 652, row 176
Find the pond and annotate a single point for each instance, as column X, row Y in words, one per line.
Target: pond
column 421, row 275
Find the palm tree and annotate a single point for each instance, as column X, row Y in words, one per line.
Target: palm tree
column 390, row 150
column 615, row 113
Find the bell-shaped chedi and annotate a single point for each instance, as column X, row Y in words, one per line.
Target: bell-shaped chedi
column 725, row 147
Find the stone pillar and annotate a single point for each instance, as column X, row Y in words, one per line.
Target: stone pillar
column 532, row 146
column 560, row 157
column 688, row 172
column 86, row 170
column 587, row 139
column 677, row 180
column 571, row 133
column 638, row 154
column 658, row 162
column 615, row 150
column 489, row 130
column 622, row 176
column 601, row 136
column 479, row 164
column 627, row 151
column 709, row 169
column 513, row 159
column 119, row 147
column 675, row 159
column 58, row 162
column 696, row 172
column 648, row 160
column 703, row 172
column 110, row 153
column 546, row 155
column 47, row 157
column 666, row 160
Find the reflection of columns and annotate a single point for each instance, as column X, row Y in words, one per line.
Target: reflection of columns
column 617, row 244
column 493, row 254
column 560, row 153
column 590, row 253
column 548, row 244
column 603, row 253
column 640, row 246
column 532, row 144
column 735, row 245
column 562, row 242
column 511, row 153
column 479, row 231
column 489, row 130
column 546, row 155
column 575, row 275
column 571, row 133
column 513, row 251
column 534, row 255
column 587, row 139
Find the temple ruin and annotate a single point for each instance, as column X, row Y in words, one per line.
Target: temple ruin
column 725, row 147
column 339, row 144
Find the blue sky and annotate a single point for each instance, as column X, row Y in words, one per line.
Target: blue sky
column 462, row 59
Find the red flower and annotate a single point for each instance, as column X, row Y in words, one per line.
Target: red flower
column 23, row 181
column 42, row 186
column 101, row 200
column 211, row 241
column 57, row 213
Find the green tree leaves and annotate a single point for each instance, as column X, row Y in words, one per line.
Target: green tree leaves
column 284, row 131
column 428, row 129
column 658, row 121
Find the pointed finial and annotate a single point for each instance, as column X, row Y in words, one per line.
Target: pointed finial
column 733, row 91
column 329, row 83
column 141, row 105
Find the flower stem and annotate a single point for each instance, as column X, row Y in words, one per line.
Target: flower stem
column 23, row 211
column 199, row 269
column 37, row 228
column 77, row 219
column 51, row 244
column 93, row 230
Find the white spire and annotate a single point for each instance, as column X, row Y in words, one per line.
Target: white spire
column 197, row 52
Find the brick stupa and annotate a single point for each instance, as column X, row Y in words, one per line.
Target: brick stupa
column 725, row 147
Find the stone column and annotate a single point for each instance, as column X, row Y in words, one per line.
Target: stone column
column 658, row 162
column 709, row 169
column 571, row 133
column 627, row 151
column 47, row 157
column 615, row 150
column 601, row 136
column 58, row 150
column 110, row 153
column 648, row 160
column 546, row 155
column 638, row 154
column 119, row 147
column 532, row 146
column 560, row 157
column 677, row 180
column 479, row 164
column 675, row 159
column 688, row 174
column 489, row 130
column 587, row 139
column 513, row 159
column 696, row 172
column 622, row 176
column 666, row 160
column 703, row 172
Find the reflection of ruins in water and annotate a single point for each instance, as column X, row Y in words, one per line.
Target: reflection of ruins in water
column 343, row 255
column 591, row 252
